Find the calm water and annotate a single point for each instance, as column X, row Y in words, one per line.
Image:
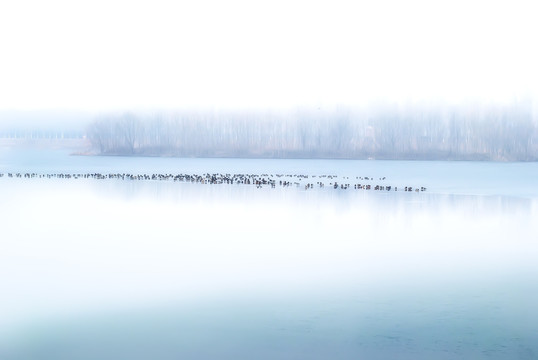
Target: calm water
column 111, row 269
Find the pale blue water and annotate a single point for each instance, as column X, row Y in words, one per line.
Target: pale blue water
column 115, row 269
column 447, row 177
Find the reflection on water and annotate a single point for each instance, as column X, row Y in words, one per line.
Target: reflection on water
column 116, row 269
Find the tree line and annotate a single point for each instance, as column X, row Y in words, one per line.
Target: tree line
column 493, row 132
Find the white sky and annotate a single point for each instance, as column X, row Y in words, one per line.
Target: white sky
column 101, row 55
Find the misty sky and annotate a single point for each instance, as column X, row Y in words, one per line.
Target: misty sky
column 102, row 55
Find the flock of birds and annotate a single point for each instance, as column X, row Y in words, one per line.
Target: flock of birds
column 301, row 181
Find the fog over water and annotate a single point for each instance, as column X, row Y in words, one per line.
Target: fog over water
column 117, row 268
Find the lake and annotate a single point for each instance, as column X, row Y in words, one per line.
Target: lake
column 142, row 269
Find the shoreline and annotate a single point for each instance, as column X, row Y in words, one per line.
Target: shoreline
column 83, row 147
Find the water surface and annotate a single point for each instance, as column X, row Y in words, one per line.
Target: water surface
column 109, row 269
